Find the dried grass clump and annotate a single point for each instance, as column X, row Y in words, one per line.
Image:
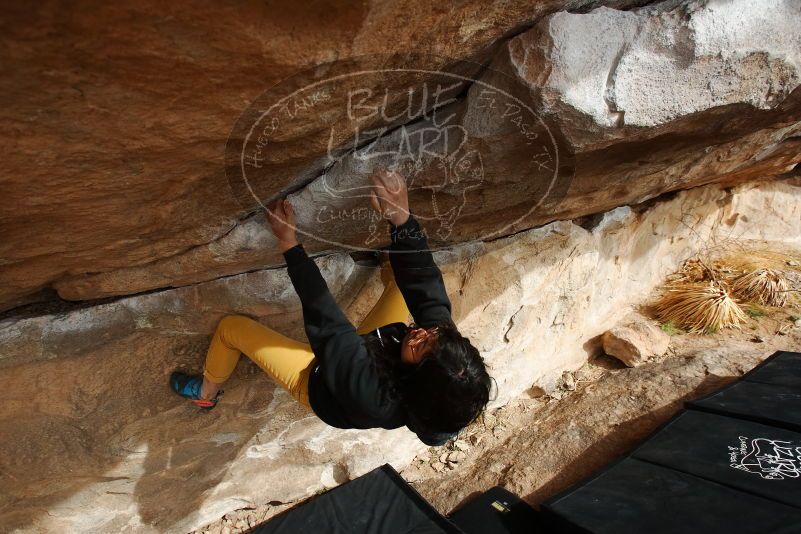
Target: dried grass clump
column 764, row 286
column 699, row 307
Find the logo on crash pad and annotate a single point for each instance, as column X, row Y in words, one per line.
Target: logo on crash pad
column 771, row 459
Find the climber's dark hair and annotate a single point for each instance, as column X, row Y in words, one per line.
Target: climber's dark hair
column 445, row 391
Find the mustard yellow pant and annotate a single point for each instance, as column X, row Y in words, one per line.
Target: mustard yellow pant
column 287, row 361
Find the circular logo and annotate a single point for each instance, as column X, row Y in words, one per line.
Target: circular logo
column 478, row 161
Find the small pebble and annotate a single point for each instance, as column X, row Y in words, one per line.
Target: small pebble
column 489, row 420
column 456, row 457
column 569, row 381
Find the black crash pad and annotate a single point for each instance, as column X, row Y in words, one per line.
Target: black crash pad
column 783, row 368
column 636, row 496
column 768, row 404
column 497, row 511
column 380, row 502
column 751, row 457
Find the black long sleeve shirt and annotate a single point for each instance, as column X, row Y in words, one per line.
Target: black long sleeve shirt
column 344, row 388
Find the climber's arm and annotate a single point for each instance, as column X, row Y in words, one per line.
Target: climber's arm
column 417, row 275
column 345, row 364
column 329, row 331
column 324, row 321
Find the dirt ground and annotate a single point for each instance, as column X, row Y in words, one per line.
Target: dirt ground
column 537, row 447
column 539, row 444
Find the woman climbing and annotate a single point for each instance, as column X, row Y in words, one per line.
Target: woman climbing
column 384, row 373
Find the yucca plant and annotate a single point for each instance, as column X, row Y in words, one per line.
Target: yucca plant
column 763, row 286
column 699, row 307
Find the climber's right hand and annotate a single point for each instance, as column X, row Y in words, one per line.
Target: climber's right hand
column 281, row 216
column 389, row 195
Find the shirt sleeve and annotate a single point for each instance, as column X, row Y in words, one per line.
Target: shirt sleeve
column 417, row 275
column 344, row 360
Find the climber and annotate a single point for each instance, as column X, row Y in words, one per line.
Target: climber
column 384, row 373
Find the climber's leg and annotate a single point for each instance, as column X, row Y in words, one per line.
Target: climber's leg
column 286, row 360
column 390, row 308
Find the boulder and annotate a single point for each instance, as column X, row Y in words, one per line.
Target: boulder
column 119, row 115
column 569, row 155
column 612, row 75
column 636, row 341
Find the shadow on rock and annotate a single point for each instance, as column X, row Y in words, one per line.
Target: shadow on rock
column 90, row 431
column 619, row 442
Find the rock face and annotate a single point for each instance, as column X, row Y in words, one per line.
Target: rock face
column 612, row 75
column 119, row 116
column 538, row 138
column 635, row 342
column 103, row 445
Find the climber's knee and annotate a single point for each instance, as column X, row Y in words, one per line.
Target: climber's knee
column 231, row 323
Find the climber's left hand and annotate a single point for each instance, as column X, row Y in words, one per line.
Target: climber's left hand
column 281, row 216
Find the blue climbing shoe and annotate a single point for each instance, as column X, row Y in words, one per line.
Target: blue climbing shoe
column 189, row 386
